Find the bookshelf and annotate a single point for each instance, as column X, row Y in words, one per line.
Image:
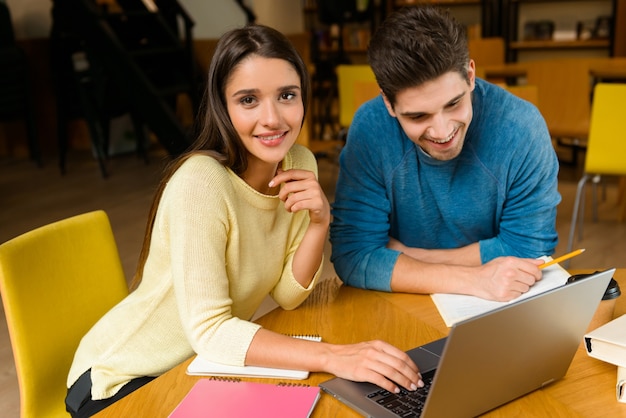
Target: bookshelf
column 538, row 28
column 341, row 30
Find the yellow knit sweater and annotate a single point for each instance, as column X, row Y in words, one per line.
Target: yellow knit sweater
column 218, row 249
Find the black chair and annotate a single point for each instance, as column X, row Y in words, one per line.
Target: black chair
column 15, row 94
column 84, row 90
column 132, row 60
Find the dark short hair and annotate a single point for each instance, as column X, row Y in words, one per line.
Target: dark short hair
column 415, row 45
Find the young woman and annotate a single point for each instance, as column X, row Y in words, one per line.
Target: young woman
column 238, row 217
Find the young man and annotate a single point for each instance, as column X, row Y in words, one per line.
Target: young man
column 447, row 184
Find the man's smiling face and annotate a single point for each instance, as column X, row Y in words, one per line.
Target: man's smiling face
column 437, row 114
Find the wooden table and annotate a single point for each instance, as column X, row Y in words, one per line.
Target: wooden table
column 609, row 69
column 600, row 69
column 342, row 314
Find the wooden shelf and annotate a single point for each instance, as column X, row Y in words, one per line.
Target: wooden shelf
column 523, row 12
column 347, row 50
column 446, row 2
column 548, row 44
column 553, row 1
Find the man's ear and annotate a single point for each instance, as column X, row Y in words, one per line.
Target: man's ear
column 388, row 105
column 471, row 74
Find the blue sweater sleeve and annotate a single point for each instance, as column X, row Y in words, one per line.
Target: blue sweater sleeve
column 526, row 223
column 361, row 211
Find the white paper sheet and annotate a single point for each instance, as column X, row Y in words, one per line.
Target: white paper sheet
column 456, row 308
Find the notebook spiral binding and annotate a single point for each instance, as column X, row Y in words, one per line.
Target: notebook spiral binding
column 312, row 337
column 237, row 380
column 225, row 379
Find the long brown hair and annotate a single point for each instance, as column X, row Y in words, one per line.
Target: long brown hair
column 218, row 138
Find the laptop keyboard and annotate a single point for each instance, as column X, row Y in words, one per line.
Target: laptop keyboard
column 406, row 404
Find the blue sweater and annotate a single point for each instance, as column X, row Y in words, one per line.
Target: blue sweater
column 501, row 191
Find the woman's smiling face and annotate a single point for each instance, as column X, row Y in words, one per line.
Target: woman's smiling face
column 264, row 102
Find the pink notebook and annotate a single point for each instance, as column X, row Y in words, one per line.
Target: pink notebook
column 237, row 399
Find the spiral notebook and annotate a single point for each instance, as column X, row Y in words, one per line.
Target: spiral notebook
column 202, row 367
column 233, row 398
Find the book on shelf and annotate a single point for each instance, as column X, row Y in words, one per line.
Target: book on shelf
column 233, row 398
column 608, row 342
column 202, row 367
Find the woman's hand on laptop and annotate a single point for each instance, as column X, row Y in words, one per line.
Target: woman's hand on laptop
column 376, row 362
column 506, row 278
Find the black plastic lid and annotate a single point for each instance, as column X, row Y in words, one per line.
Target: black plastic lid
column 612, row 291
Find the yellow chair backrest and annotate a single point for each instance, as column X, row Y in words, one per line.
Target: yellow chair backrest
column 356, row 85
column 56, row 282
column 606, row 146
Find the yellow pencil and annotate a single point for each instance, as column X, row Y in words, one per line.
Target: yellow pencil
column 562, row 258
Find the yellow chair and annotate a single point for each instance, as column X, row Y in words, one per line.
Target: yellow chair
column 56, row 282
column 356, row 85
column 621, row 199
column 606, row 147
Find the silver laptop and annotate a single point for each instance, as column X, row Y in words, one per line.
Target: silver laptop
column 490, row 359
